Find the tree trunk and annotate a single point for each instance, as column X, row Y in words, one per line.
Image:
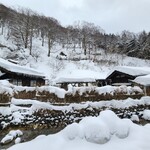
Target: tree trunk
column 31, row 35
column 49, row 47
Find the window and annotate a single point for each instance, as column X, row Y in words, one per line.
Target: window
column 33, row 83
column 14, row 82
column 19, row 82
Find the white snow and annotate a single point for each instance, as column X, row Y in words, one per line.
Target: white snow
column 79, row 75
column 143, row 80
column 75, row 80
column 105, row 132
column 120, row 104
column 19, row 69
column 107, row 90
column 146, row 114
column 5, row 87
column 134, row 71
column 52, row 89
column 17, row 140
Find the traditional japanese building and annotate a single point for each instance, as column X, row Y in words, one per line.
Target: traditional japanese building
column 20, row 75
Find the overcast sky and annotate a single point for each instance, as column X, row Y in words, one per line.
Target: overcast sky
column 113, row 16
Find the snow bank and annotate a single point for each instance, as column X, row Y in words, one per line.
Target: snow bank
column 106, row 131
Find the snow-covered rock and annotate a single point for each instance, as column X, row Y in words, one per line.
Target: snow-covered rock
column 11, row 136
column 135, row 118
column 17, row 140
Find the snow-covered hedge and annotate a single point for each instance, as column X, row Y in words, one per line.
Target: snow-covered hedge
column 73, row 94
column 112, row 90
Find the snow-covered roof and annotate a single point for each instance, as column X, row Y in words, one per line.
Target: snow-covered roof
column 78, row 75
column 143, row 80
column 73, row 80
column 14, row 68
column 134, row 71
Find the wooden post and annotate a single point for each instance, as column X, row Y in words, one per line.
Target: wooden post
column 145, row 92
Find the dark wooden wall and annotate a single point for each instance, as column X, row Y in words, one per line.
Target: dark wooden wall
column 119, row 77
column 26, row 80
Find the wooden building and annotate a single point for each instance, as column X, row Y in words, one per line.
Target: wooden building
column 78, row 82
column 20, row 75
column 124, row 74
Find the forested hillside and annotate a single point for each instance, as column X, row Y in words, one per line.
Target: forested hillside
column 23, row 26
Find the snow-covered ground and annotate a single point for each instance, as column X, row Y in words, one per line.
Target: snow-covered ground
column 96, row 66
column 105, row 132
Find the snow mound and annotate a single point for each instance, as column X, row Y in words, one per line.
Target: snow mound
column 99, row 129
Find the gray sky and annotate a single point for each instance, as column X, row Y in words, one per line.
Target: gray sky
column 113, row 16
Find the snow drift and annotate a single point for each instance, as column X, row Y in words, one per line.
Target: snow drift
column 106, row 131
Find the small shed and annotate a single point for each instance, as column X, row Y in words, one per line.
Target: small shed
column 78, row 77
column 124, row 74
column 64, row 82
column 20, row 75
column 144, row 82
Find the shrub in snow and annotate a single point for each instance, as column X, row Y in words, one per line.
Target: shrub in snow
column 70, row 88
column 105, row 90
column 137, row 89
column 122, row 89
column 95, row 130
